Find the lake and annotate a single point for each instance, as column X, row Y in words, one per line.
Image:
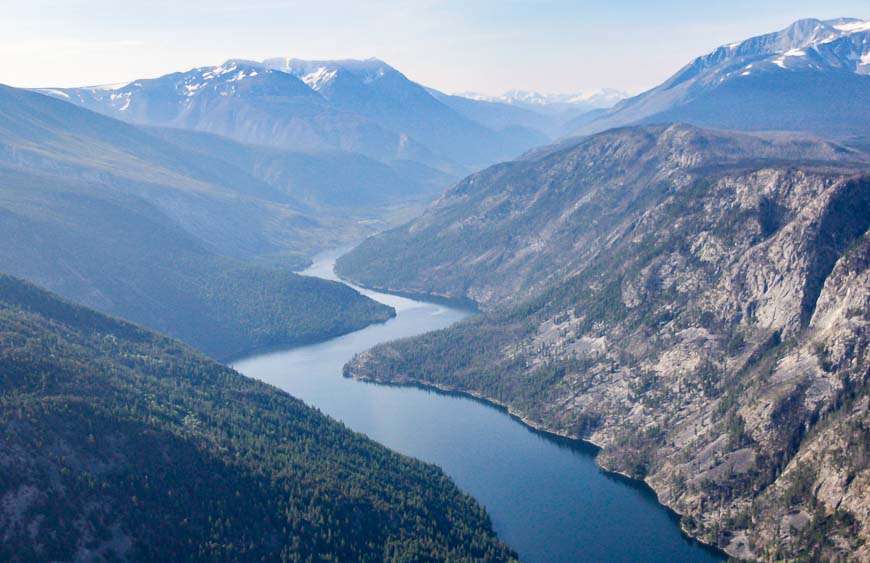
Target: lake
column 546, row 497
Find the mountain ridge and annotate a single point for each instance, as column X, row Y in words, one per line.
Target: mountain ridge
column 692, row 301
column 777, row 81
column 667, row 146
column 109, row 215
column 359, row 106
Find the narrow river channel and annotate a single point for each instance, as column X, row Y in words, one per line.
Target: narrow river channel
column 546, row 497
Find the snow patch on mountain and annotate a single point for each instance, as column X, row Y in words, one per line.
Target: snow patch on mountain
column 54, row 92
column 116, row 86
column 367, row 70
column 853, row 26
column 600, row 98
column 319, row 78
column 192, row 88
column 122, row 99
column 839, row 44
column 217, row 71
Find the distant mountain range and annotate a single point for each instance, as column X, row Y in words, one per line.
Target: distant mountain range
column 811, row 76
column 521, row 111
column 364, row 107
column 787, row 80
column 555, row 103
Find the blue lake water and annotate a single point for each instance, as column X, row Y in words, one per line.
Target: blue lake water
column 546, row 497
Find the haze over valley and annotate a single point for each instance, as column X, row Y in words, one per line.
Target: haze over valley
column 313, row 309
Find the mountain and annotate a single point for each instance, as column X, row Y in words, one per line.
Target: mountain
column 247, row 102
column 812, row 76
column 327, row 183
column 501, row 116
column 366, row 107
column 507, row 231
column 527, row 112
column 379, row 92
column 205, row 195
column 693, row 301
column 110, row 216
column 580, row 102
column 120, row 444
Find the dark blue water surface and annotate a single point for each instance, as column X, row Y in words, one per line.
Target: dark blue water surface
column 546, row 497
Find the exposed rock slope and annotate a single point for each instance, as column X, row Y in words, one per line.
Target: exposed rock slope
column 509, row 230
column 694, row 302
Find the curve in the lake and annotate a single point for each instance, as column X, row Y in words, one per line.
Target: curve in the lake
column 546, row 496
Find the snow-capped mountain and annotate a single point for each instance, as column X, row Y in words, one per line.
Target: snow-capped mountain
column 229, row 79
column 521, row 110
column 323, row 75
column 246, row 101
column 357, row 106
column 537, row 101
column 841, row 44
column 811, row 76
column 379, row 92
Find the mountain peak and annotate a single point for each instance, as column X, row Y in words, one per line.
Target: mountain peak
column 824, row 41
column 782, row 81
column 808, row 44
column 320, row 74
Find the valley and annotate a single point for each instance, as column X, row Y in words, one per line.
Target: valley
column 314, row 309
column 546, row 497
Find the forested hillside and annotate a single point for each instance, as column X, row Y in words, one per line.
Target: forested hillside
column 116, row 442
column 185, row 243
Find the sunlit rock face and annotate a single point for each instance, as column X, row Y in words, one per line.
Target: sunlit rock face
column 693, row 301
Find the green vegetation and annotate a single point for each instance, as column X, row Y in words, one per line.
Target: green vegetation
column 118, row 254
column 111, row 217
column 119, row 443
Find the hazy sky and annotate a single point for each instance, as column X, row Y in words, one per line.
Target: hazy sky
column 455, row 45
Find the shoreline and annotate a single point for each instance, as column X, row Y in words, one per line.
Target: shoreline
column 261, row 349
column 552, row 434
column 561, row 438
column 462, row 303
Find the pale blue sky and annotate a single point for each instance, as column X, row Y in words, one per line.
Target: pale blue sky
column 472, row 45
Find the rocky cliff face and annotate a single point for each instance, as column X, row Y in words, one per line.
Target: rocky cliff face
column 509, row 231
column 695, row 303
